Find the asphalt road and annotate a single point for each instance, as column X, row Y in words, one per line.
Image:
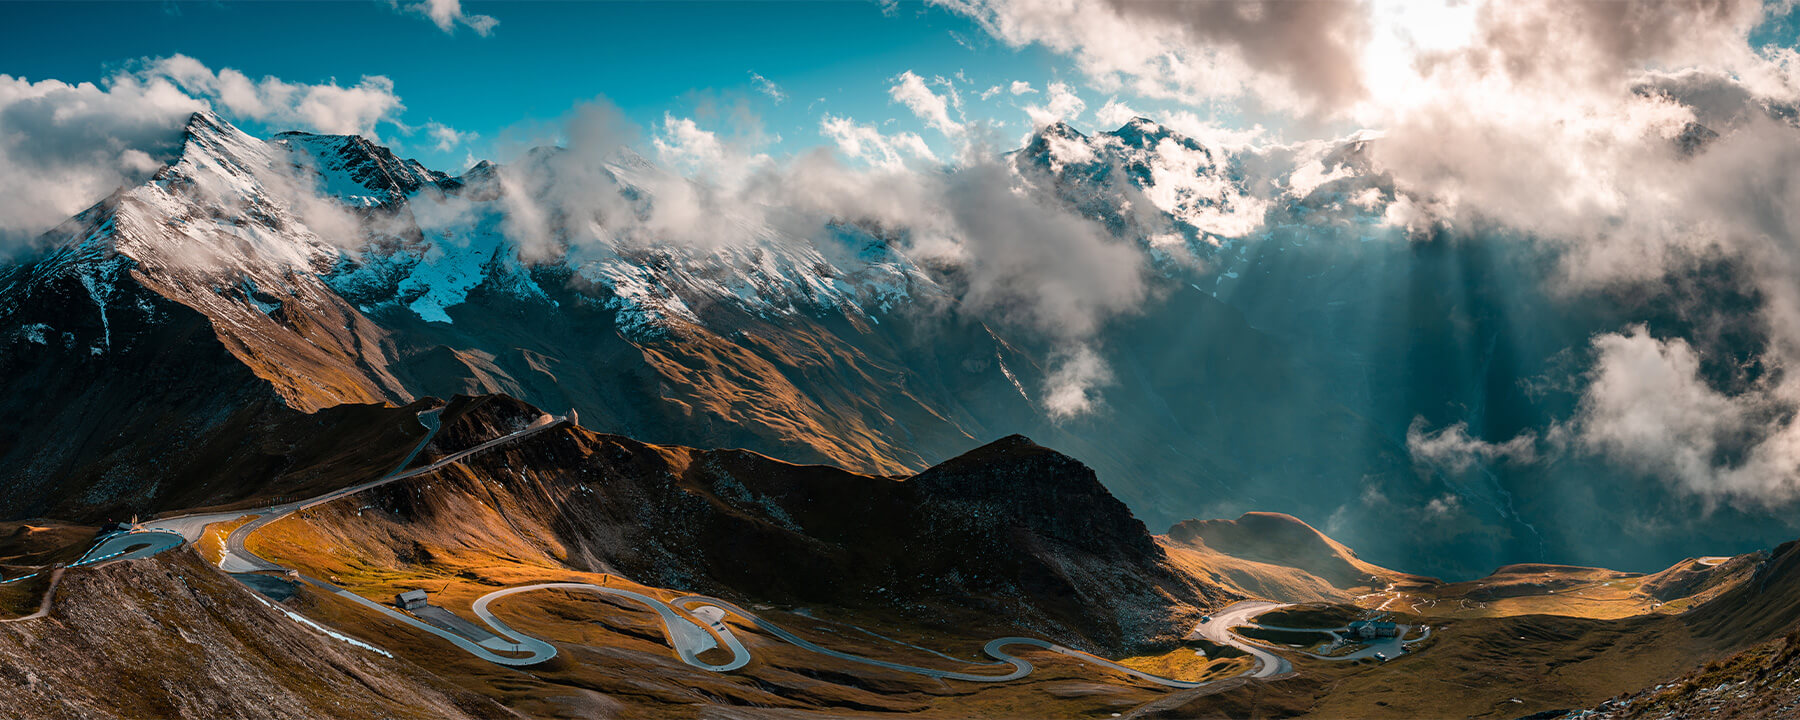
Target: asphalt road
column 994, row 648
column 130, row 546
column 534, row 650
column 1020, row 667
column 688, row 637
column 113, row 548
column 159, row 535
column 192, row 526
column 1218, row 630
column 1389, row 648
column 239, row 559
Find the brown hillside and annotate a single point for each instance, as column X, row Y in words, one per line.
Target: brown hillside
column 1283, row 540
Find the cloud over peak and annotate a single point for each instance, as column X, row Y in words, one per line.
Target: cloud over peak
column 325, row 107
column 65, row 146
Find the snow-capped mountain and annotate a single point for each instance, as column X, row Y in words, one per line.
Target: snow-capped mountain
column 253, row 233
column 335, row 272
column 1290, row 338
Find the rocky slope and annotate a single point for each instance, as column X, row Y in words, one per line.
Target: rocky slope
column 1753, row 671
column 170, row 637
column 1763, row 682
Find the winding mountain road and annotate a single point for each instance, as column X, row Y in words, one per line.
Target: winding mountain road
column 694, row 624
column 994, row 649
column 193, row 526
column 1218, row 630
column 688, row 637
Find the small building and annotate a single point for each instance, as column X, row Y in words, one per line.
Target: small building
column 1367, row 630
column 410, row 600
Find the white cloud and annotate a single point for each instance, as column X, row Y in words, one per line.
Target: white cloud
column 64, row 147
column 866, row 143
column 1072, row 388
column 1034, row 261
column 1298, row 55
column 1443, row 507
column 1064, row 105
column 910, row 90
column 708, row 165
column 767, row 87
column 1020, row 87
column 1648, row 406
column 1632, row 139
column 1115, row 113
column 445, row 137
column 1452, row 448
column 447, row 14
column 683, row 144
column 326, row 107
column 990, row 92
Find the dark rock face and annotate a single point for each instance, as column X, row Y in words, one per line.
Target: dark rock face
column 1012, row 493
column 119, row 401
column 98, row 397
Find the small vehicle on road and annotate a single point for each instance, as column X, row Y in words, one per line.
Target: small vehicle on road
column 1204, row 619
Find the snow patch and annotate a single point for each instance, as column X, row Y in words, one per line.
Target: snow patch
column 99, row 297
column 321, row 629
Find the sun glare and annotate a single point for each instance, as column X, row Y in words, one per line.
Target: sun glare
column 1403, row 32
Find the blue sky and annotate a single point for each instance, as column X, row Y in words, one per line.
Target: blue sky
column 691, row 59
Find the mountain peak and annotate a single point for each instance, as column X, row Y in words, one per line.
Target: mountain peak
column 205, row 121
column 1060, row 129
column 1008, row 448
column 211, row 141
column 357, row 171
column 1141, row 124
column 1146, row 133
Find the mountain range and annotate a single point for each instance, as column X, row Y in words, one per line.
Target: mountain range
column 1280, row 372
column 819, row 459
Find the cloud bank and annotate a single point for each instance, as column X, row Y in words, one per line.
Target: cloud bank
column 1636, row 141
column 65, row 146
column 1020, row 256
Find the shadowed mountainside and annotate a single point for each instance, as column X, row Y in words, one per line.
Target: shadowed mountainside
column 1010, row 529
